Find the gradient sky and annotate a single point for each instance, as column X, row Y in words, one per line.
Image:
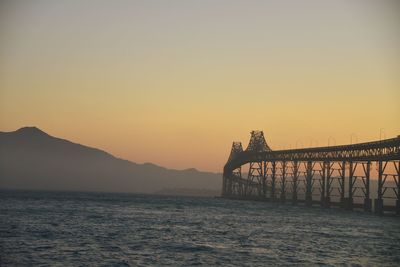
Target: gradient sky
column 175, row 82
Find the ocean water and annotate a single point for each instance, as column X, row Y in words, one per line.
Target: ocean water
column 99, row 229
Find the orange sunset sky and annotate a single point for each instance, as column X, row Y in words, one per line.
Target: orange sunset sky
column 175, row 82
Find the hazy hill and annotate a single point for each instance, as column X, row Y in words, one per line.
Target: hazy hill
column 32, row 159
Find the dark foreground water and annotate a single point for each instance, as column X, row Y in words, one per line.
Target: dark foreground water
column 81, row 229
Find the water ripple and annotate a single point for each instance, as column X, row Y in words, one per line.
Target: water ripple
column 92, row 229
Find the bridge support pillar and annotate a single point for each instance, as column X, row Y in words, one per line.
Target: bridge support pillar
column 378, row 206
column 398, row 207
column 273, row 181
column 327, row 200
column 294, row 200
column 309, row 183
column 349, row 205
column 283, row 182
column 323, row 184
column 366, row 181
column 308, row 200
column 295, row 182
column 367, row 204
column 236, row 184
column 379, row 201
column 397, row 181
column 341, row 182
column 254, row 180
column 264, row 180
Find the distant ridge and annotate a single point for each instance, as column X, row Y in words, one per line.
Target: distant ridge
column 30, row 130
column 34, row 160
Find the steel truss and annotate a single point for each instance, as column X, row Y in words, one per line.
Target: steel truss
column 328, row 176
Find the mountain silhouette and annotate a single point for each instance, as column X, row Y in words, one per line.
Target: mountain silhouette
column 33, row 160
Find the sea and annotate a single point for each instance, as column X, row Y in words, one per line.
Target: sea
column 109, row 229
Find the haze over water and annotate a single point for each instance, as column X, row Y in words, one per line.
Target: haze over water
column 80, row 229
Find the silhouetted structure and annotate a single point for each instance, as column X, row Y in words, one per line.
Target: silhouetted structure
column 315, row 175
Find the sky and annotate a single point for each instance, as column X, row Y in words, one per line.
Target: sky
column 175, row 82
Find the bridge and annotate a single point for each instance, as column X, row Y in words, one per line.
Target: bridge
column 345, row 176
